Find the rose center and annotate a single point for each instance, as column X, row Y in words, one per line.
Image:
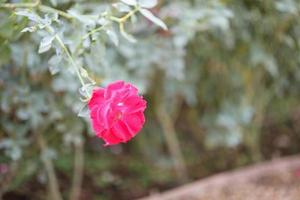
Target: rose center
column 118, row 116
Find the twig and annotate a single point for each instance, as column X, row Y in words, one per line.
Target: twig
column 92, row 32
column 53, row 10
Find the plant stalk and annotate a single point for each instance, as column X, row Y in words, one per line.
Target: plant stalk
column 53, row 183
column 172, row 142
column 78, row 171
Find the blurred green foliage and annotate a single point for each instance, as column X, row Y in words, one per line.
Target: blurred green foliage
column 226, row 72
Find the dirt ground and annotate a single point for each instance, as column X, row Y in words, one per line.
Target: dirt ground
column 275, row 180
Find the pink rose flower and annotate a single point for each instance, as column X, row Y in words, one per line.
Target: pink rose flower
column 117, row 112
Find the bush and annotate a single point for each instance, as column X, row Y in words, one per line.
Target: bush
column 213, row 80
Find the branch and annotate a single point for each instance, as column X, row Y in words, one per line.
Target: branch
column 172, row 141
column 53, row 183
column 78, row 171
column 53, row 10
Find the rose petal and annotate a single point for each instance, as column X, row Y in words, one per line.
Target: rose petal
column 97, row 97
column 110, row 138
column 134, row 121
column 119, row 131
column 111, row 88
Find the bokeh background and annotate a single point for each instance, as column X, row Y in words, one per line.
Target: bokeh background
column 222, row 85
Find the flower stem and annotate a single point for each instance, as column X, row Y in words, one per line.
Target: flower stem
column 73, row 63
column 71, row 59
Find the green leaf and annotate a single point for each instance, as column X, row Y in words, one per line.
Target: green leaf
column 84, row 111
column 46, row 43
column 152, row 18
column 30, row 15
column 130, row 2
column 53, row 2
column 5, row 52
column 29, row 29
column 121, row 7
column 147, row 3
column 84, row 19
column 113, row 37
column 127, row 36
column 54, row 62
